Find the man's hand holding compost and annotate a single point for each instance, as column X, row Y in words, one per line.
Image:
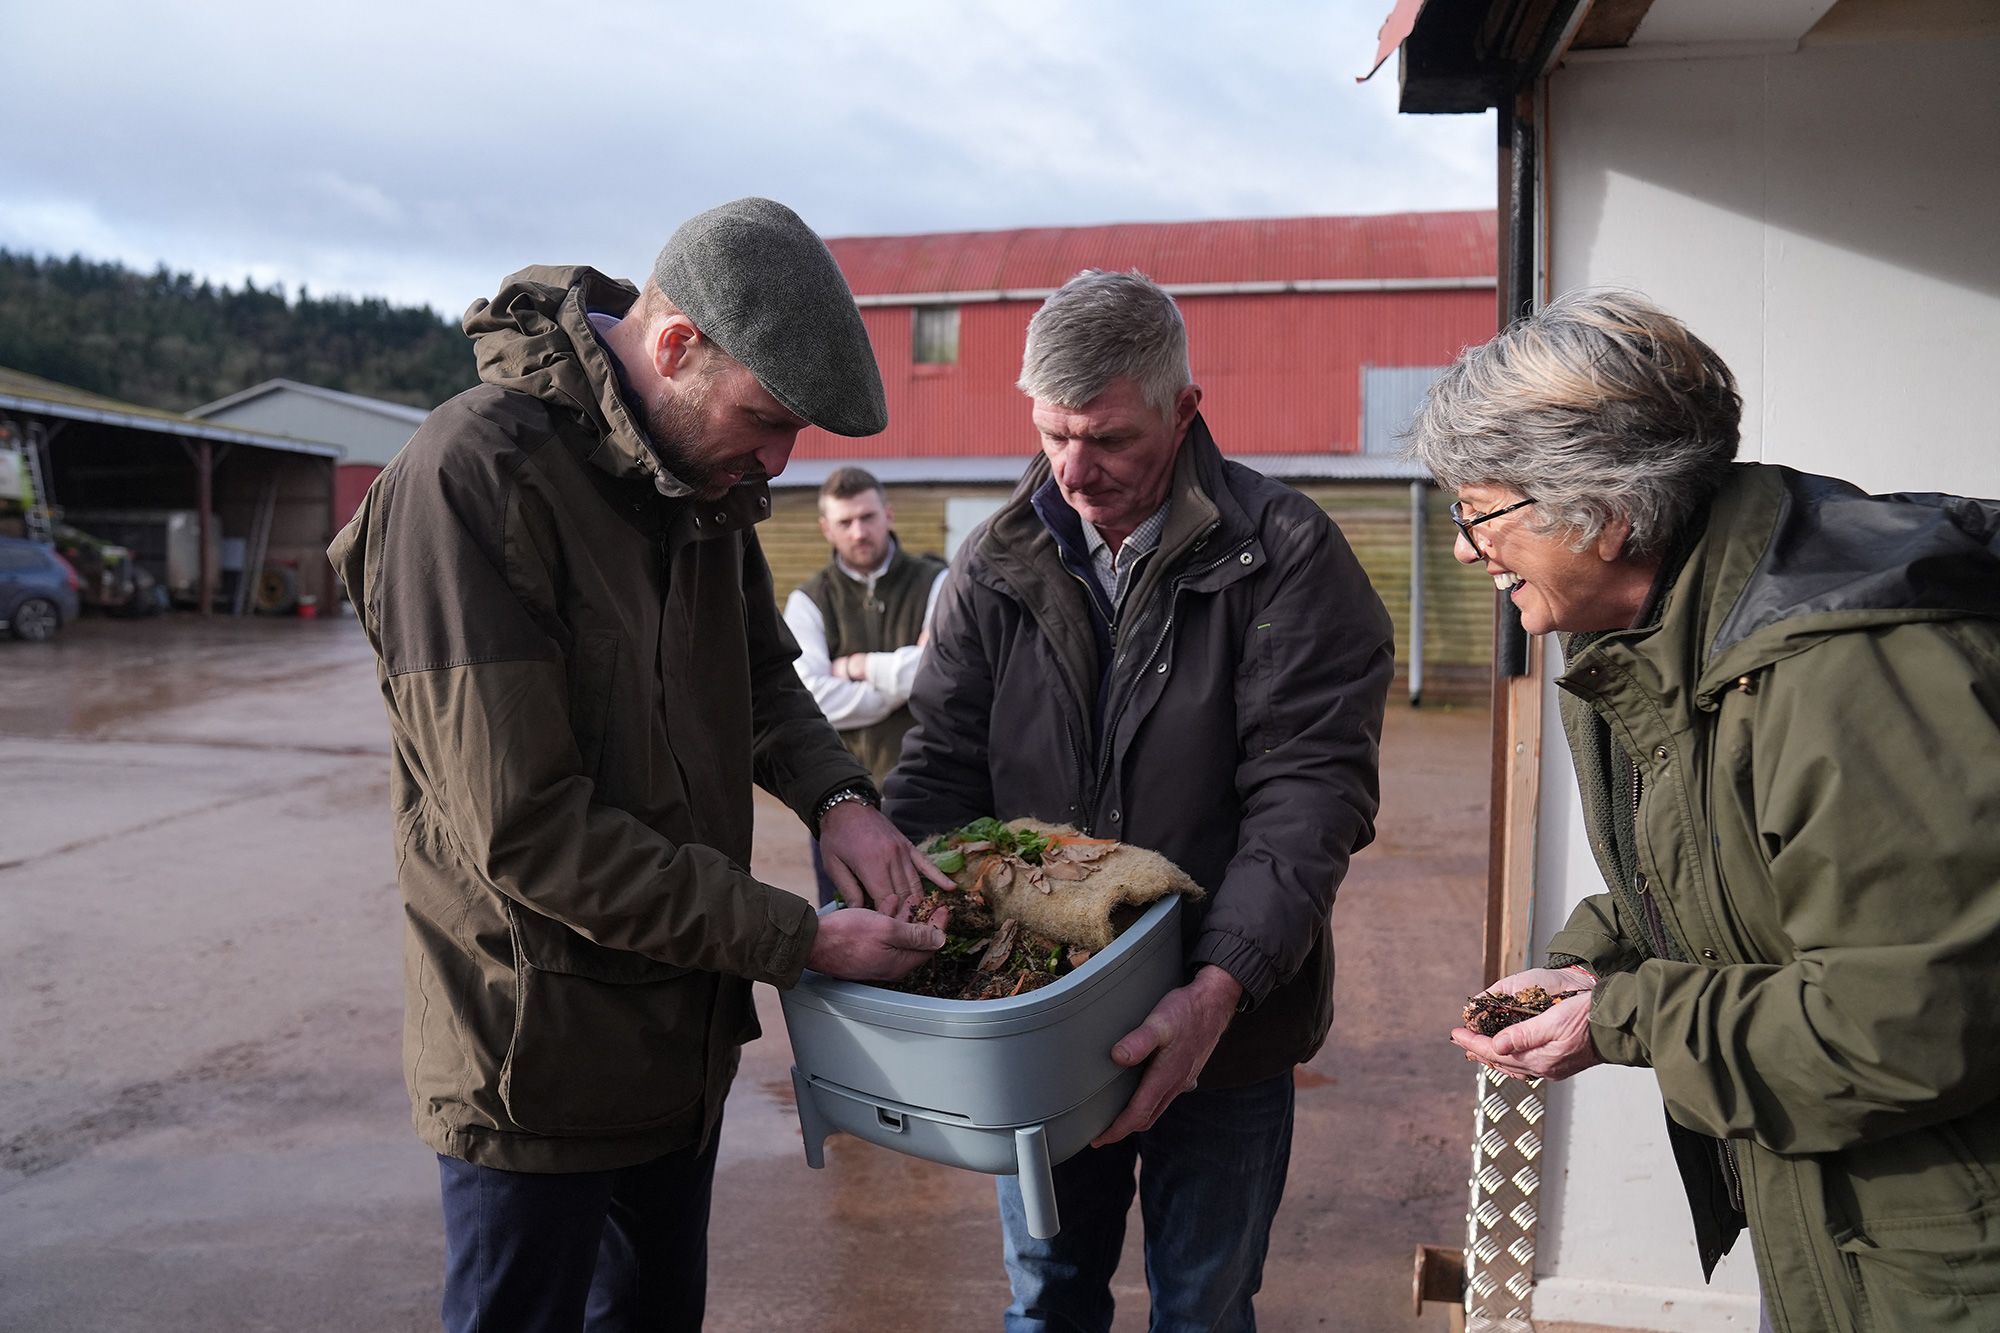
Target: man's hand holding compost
column 869, row 862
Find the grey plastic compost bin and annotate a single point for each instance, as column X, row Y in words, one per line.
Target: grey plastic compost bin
column 1000, row 1086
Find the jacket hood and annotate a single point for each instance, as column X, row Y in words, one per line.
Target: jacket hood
column 534, row 337
column 1834, row 558
column 1782, row 559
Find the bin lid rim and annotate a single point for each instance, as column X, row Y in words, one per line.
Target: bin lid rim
column 832, row 992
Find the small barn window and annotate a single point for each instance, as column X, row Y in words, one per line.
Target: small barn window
column 1390, row 397
column 935, row 340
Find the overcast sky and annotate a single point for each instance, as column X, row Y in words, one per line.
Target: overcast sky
column 422, row 150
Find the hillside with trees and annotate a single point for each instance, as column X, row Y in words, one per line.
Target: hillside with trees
column 172, row 341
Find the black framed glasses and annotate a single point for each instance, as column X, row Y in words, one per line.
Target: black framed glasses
column 1466, row 525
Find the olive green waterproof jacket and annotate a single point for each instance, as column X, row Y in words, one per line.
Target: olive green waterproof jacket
column 1792, row 783
column 584, row 675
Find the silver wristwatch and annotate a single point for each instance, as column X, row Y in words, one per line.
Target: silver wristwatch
column 866, row 794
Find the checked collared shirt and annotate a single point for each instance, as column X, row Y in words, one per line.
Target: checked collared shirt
column 1114, row 572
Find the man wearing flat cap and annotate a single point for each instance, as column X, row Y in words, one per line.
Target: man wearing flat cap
column 585, row 672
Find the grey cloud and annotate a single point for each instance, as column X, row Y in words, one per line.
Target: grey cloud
column 423, row 151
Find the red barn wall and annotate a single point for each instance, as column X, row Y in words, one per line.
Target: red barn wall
column 350, row 484
column 1280, row 372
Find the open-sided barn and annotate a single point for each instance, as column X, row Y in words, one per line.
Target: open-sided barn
column 253, row 501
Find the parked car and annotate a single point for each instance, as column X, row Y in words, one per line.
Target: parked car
column 38, row 590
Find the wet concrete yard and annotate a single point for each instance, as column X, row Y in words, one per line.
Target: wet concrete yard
column 202, row 1121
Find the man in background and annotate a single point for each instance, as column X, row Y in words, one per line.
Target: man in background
column 860, row 623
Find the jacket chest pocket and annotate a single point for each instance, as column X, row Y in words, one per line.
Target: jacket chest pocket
column 593, row 683
column 1260, row 703
column 701, row 713
column 1737, row 862
column 1258, row 671
column 1676, row 842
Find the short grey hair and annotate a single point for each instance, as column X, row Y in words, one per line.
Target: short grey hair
column 1100, row 327
column 1599, row 404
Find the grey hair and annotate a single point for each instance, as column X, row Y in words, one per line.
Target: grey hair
column 1598, row 405
column 1100, row 327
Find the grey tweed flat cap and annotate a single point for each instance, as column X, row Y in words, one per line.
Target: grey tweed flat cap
column 753, row 277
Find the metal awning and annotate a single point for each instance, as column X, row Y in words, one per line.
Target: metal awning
column 29, row 393
column 1466, row 55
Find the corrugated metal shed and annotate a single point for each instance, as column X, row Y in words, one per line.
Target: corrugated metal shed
column 31, row 393
column 1284, row 318
column 369, row 430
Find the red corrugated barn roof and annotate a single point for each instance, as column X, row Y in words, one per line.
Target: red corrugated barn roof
column 1390, row 246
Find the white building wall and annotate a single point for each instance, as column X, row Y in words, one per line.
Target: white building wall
column 368, row 437
column 1827, row 220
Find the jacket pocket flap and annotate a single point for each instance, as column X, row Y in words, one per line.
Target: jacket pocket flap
column 547, row 945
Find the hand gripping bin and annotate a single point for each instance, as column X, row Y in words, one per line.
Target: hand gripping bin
column 999, row 1086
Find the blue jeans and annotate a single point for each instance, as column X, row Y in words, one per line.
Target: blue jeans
column 603, row 1250
column 1210, row 1175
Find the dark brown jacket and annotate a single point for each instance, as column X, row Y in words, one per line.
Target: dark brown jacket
column 1237, row 733
column 583, row 679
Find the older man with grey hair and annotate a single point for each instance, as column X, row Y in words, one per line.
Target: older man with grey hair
column 585, row 672
column 1158, row 645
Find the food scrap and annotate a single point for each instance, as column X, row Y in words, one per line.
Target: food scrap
column 986, row 957
column 1489, row 1011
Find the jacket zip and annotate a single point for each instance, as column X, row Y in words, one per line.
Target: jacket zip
column 1730, row 1173
column 1166, row 628
column 1088, row 809
column 1088, row 820
column 1656, row 926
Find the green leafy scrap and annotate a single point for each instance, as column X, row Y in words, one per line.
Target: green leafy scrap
column 1026, row 844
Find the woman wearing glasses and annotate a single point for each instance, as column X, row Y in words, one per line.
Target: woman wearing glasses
column 1783, row 699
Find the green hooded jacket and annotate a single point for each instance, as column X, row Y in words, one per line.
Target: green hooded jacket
column 585, row 672
column 1791, row 780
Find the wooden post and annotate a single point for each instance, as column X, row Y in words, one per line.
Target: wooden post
column 1517, row 770
column 329, row 585
column 204, row 467
column 1517, row 658
column 1417, row 535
